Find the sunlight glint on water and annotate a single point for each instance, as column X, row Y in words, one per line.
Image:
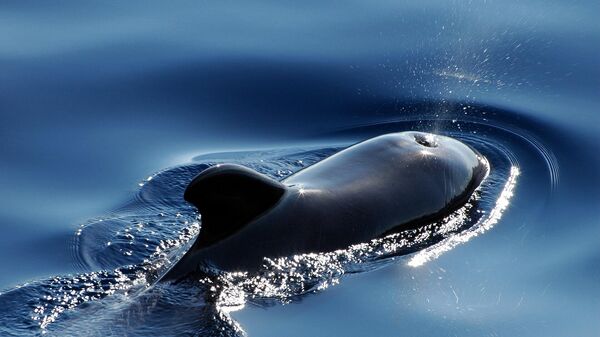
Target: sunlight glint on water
column 482, row 226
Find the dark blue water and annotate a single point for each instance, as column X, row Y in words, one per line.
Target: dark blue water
column 107, row 111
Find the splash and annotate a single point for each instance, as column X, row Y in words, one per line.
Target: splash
column 283, row 279
column 483, row 225
column 136, row 245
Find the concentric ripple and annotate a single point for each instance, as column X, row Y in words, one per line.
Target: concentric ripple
column 123, row 254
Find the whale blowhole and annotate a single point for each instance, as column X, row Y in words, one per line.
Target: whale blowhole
column 426, row 139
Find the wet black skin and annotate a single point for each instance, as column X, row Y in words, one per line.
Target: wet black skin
column 380, row 186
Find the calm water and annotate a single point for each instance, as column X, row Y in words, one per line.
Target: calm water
column 107, row 111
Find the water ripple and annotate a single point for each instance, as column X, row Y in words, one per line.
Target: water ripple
column 123, row 254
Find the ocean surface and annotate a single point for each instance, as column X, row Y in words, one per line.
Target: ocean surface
column 108, row 110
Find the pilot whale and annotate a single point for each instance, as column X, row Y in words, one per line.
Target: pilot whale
column 380, row 186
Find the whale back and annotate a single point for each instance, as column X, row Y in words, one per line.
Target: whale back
column 228, row 197
column 380, row 186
